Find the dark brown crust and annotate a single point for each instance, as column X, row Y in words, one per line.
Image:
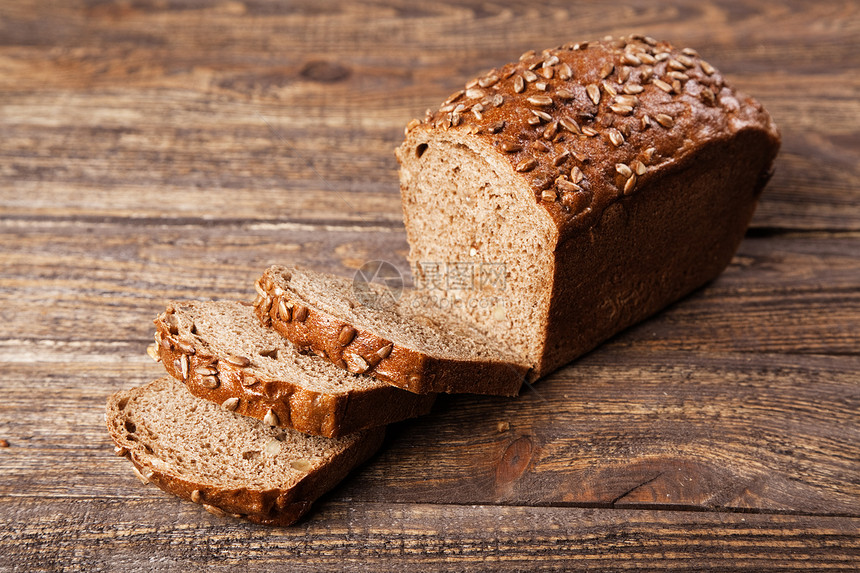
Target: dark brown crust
column 278, row 507
column 643, row 263
column 689, row 119
column 402, row 367
column 311, row 412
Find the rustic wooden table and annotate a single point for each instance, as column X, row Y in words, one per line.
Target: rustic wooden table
column 158, row 149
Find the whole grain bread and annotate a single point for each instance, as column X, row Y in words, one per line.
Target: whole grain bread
column 408, row 342
column 607, row 179
column 231, row 464
column 224, row 355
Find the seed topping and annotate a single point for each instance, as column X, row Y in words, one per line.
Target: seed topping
column 623, row 170
column 629, row 184
column 649, row 153
column 384, row 352
column 347, row 334
column 300, row 313
column 488, row 81
column 561, row 158
column 565, row 73
column 566, row 185
column 271, row 418
column 631, row 59
column 526, row 165
column 541, row 115
column 183, row 366
column 519, row 85
column 152, row 351
column 548, row 196
column 285, row 312
column 540, row 100
column 564, row 94
column 475, row 93
column 593, row 93
column 615, row 137
column 621, row 109
column 662, row 85
column 216, row 511
column 570, row 125
column 241, row 361
column 355, row 363
column 497, row 127
column 664, row 120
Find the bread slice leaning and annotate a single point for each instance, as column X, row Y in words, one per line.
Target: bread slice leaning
column 410, row 343
column 231, row 464
column 224, row 355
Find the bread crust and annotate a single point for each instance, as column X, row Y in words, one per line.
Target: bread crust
column 367, row 352
column 587, row 116
column 257, row 395
column 278, row 506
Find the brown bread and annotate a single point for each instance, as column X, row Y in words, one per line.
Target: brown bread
column 410, row 343
column 224, row 355
column 608, row 179
column 231, row 464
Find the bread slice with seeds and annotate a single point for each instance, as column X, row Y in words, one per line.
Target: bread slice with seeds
column 224, row 355
column 231, row 464
column 608, row 179
column 409, row 342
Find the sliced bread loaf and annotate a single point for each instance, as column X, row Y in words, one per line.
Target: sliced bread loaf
column 410, row 343
column 608, row 179
column 233, row 465
column 224, row 355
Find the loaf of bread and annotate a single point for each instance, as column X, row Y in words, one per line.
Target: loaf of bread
column 403, row 341
column 223, row 354
column 231, row 464
column 607, row 179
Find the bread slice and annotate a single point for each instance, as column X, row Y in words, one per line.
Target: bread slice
column 231, row 464
column 608, row 179
column 224, row 355
column 410, row 343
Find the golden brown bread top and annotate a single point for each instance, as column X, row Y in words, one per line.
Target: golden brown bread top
column 588, row 123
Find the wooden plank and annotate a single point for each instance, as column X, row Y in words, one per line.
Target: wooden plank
column 154, row 532
column 617, row 429
column 156, row 150
column 791, row 294
column 620, row 429
column 139, row 110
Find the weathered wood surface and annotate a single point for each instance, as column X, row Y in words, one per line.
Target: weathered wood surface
column 157, row 150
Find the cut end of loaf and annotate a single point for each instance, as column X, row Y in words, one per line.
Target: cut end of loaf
column 479, row 245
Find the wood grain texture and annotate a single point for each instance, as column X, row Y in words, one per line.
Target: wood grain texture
column 344, row 536
column 152, row 150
